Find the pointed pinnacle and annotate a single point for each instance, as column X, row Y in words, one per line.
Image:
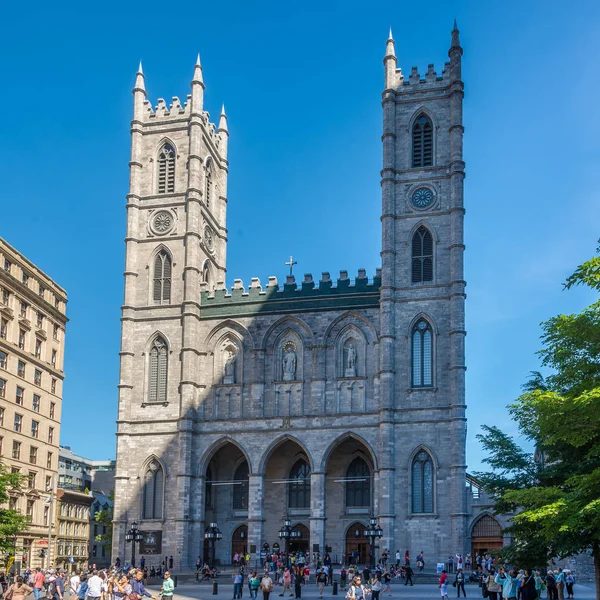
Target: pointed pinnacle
column 391, row 37
column 198, row 60
column 455, row 26
column 140, row 71
column 223, row 110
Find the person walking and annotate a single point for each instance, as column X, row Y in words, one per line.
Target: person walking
column 357, row 590
column 376, row 587
column 409, row 574
column 137, row 585
column 443, row 584
column 168, row 587
column 82, row 588
column 560, row 583
column 321, row 581
column 266, row 585
column 460, row 583
column 38, row 583
column 287, row 582
column 254, row 585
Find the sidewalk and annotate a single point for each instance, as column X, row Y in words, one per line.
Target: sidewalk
column 203, row 591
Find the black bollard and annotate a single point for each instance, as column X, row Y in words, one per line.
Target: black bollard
column 215, row 588
column 334, row 591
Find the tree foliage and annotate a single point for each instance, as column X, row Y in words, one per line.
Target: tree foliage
column 12, row 522
column 554, row 493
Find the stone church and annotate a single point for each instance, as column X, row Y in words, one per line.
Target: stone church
column 325, row 401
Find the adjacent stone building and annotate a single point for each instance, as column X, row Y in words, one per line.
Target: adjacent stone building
column 324, row 401
column 32, row 341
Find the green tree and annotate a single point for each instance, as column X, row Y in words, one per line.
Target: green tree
column 554, row 493
column 105, row 517
column 12, row 523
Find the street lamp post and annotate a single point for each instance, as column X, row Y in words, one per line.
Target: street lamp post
column 373, row 532
column 212, row 534
column 286, row 533
column 133, row 535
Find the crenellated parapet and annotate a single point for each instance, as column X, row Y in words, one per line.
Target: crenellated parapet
column 307, row 294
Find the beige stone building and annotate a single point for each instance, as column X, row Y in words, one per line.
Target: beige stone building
column 73, row 525
column 32, row 341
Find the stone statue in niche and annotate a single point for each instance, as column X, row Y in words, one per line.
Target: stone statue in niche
column 350, row 367
column 229, row 367
column 289, row 362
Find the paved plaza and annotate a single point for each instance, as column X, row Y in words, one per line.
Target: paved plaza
column 194, row 591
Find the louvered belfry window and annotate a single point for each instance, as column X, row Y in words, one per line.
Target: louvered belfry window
column 209, row 183
column 422, row 355
column 166, row 170
column 422, row 256
column 158, row 371
column 162, row 278
column 422, row 142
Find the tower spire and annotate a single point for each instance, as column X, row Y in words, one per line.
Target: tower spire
column 455, row 36
column 197, row 87
column 390, row 61
column 140, row 85
column 223, row 121
column 455, row 54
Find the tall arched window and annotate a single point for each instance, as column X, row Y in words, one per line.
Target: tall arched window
column 358, row 484
column 208, row 488
column 162, row 278
column 422, row 255
column 299, row 485
column 152, row 503
column 166, row 169
column 422, row 142
column 158, row 371
column 422, row 355
column 208, row 183
column 240, row 489
column 422, row 483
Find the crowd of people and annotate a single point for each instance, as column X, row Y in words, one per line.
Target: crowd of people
column 502, row 583
column 115, row 583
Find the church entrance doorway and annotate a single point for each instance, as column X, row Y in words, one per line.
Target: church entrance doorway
column 357, row 545
column 239, row 542
column 486, row 536
column 300, row 544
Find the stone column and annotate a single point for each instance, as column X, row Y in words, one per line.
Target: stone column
column 256, row 515
column 317, row 511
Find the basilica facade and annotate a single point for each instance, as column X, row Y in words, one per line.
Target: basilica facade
column 324, row 401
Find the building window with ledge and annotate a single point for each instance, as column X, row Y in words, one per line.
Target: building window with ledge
column 422, row 355
column 422, row 483
column 152, row 501
column 19, row 395
column 422, row 142
column 299, row 485
column 166, row 170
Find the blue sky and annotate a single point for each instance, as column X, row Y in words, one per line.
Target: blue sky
column 302, row 83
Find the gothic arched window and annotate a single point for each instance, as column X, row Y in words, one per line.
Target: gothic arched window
column 162, row 278
column 358, row 484
column 240, row 489
column 422, row 355
column 422, row 142
column 422, row 255
column 299, row 485
column 166, row 169
column 158, row 371
column 422, row 483
column 208, row 183
column 152, row 502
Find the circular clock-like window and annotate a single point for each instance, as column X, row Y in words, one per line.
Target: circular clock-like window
column 422, row 198
column 209, row 239
column 162, row 222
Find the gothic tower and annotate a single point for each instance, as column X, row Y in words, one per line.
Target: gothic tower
column 175, row 246
column 422, row 300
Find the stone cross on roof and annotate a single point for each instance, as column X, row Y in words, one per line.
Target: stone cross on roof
column 290, row 263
